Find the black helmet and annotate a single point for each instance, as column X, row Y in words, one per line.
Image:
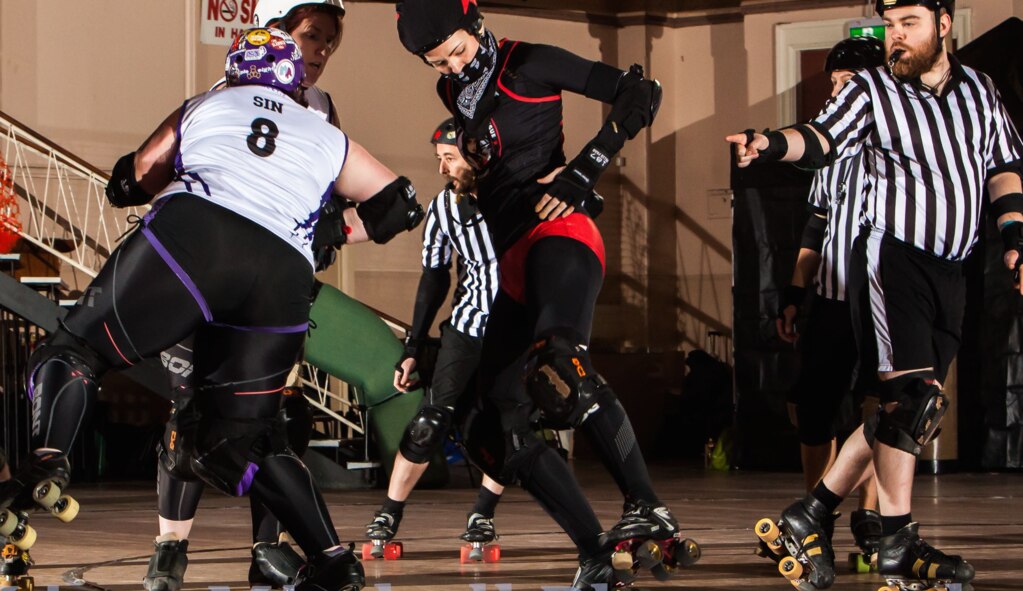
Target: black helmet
column 936, row 5
column 425, row 24
column 446, row 133
column 855, row 53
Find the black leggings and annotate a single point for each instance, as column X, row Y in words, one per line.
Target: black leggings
column 563, row 278
column 195, row 267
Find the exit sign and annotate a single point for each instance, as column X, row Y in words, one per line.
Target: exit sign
column 874, row 31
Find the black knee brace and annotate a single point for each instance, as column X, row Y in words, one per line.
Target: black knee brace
column 425, row 434
column 914, row 422
column 297, row 417
column 176, row 448
column 60, row 361
column 228, row 451
column 563, row 384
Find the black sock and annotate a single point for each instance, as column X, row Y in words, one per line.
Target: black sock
column 486, row 503
column 393, row 507
column 829, row 499
column 610, row 432
column 893, row 523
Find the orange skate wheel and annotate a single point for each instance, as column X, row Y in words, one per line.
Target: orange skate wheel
column 790, row 568
column 491, row 553
column 367, row 551
column 393, row 551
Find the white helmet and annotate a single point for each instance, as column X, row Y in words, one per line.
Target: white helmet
column 268, row 11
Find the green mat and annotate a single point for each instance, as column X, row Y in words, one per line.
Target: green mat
column 351, row 343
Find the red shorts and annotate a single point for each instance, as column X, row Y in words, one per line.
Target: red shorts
column 512, row 266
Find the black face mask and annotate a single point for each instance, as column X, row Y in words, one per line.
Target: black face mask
column 482, row 62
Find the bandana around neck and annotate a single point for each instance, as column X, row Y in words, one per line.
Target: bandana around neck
column 476, row 75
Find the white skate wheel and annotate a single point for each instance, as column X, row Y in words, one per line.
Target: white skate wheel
column 27, row 539
column 8, row 523
column 65, row 509
column 46, row 494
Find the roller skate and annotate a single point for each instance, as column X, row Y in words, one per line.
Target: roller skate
column 777, row 552
column 38, row 483
column 167, row 565
column 14, row 569
column 274, row 564
column 647, row 537
column 866, row 530
column 337, row 569
column 381, row 531
column 800, row 537
column 908, row 563
column 480, row 534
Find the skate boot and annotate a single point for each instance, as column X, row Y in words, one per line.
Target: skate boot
column 908, row 563
column 801, row 533
column 14, row 569
column 167, row 565
column 37, row 483
column 480, row 534
column 381, row 531
column 866, row 530
column 274, row 564
column 648, row 538
column 337, row 569
column 595, row 573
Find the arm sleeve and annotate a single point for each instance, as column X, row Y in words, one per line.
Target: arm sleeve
column 552, row 66
column 846, row 121
column 1005, row 149
column 436, row 279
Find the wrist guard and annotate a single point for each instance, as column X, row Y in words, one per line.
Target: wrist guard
column 792, row 295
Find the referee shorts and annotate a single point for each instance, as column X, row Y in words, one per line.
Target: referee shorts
column 907, row 304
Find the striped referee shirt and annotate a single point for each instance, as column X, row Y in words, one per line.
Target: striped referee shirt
column 927, row 156
column 448, row 229
column 838, row 189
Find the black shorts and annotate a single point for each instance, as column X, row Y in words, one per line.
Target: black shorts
column 907, row 304
column 455, row 369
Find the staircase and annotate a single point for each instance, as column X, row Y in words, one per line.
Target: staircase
column 66, row 222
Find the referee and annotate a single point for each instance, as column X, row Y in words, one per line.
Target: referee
column 934, row 135
column 827, row 345
column 453, row 224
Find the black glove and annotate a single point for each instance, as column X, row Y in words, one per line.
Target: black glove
column 330, row 232
column 574, row 185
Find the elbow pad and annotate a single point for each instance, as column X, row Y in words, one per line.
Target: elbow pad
column 391, row 211
column 814, row 157
column 634, row 102
column 122, row 189
column 813, row 232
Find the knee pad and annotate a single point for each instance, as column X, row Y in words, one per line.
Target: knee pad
column 425, row 434
column 297, row 417
column 562, row 383
column 176, row 448
column 914, row 422
column 81, row 360
column 521, row 451
column 228, row 452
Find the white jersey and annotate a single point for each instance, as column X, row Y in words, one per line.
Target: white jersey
column 255, row 151
column 319, row 101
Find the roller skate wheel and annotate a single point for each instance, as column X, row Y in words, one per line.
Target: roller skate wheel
column 65, row 509
column 660, row 572
column 393, row 551
column 767, row 530
column 889, row 588
column 622, row 560
column 370, row 552
column 46, row 494
column 470, row 553
column 858, row 563
column 491, row 553
column 27, row 538
column 690, row 554
column 790, row 568
column 8, row 523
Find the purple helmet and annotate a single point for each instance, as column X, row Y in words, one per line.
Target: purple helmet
column 268, row 57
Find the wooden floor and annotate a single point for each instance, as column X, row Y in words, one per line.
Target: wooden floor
column 977, row 515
